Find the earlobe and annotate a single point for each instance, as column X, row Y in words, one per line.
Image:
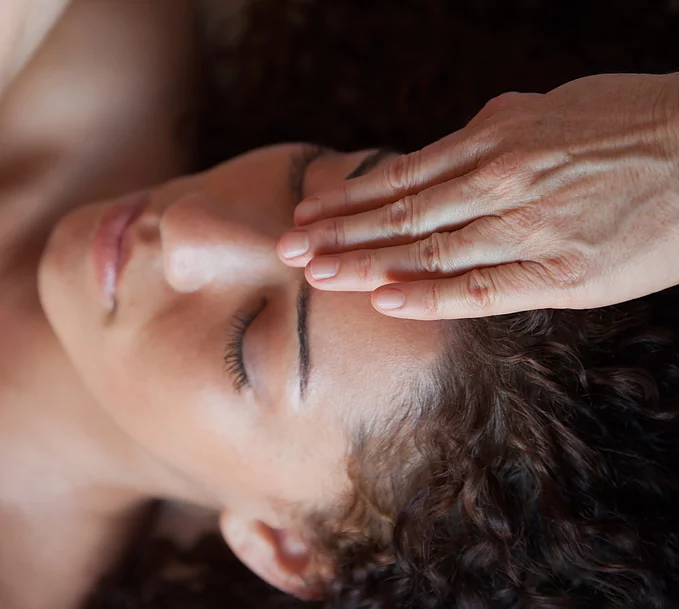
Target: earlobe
column 279, row 556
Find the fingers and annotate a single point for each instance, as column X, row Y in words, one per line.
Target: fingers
column 446, row 159
column 497, row 290
column 441, row 208
column 439, row 255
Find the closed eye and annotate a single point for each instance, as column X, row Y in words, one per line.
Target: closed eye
column 234, row 362
column 233, row 355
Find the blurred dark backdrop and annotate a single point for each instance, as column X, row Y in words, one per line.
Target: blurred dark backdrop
column 357, row 73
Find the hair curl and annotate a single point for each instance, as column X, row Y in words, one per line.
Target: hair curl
column 548, row 473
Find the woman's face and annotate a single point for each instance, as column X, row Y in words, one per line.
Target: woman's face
column 315, row 365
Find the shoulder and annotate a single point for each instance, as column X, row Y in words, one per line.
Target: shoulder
column 24, row 24
column 95, row 112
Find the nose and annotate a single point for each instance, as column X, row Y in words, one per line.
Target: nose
column 209, row 241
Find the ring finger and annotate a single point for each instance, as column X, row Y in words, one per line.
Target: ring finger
column 438, row 255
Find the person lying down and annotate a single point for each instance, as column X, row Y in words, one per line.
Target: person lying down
column 523, row 461
column 526, row 460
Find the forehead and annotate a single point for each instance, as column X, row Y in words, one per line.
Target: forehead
column 363, row 362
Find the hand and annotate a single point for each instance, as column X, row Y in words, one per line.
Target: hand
column 563, row 200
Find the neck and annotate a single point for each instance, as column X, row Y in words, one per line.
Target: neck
column 52, row 430
column 65, row 548
column 72, row 484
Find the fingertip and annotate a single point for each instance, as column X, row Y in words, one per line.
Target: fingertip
column 318, row 284
column 412, row 300
column 293, row 262
column 388, row 299
column 307, row 210
column 324, row 267
column 293, row 247
column 297, row 264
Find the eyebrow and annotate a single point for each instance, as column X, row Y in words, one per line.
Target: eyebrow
column 303, row 335
column 370, row 162
column 304, row 294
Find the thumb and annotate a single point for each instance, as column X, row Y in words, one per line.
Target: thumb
column 517, row 286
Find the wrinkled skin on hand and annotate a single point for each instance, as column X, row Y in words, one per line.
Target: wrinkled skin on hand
column 563, row 200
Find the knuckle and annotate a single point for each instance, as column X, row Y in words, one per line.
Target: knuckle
column 432, row 301
column 431, row 252
column 489, row 229
column 333, row 233
column 527, row 219
column 567, row 270
column 500, row 102
column 507, row 97
column 344, row 204
column 365, row 264
column 401, row 173
column 400, row 217
column 506, row 166
column 480, row 290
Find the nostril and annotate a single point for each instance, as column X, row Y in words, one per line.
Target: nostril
column 148, row 224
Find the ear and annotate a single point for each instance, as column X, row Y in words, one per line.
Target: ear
column 279, row 556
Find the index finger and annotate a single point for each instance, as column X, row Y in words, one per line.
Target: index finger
column 448, row 158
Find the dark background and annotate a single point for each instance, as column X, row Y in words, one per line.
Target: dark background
column 359, row 73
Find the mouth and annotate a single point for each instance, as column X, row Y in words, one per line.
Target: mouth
column 111, row 250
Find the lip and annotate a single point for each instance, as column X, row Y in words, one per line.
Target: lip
column 110, row 249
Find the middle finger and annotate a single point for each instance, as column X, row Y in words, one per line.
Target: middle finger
column 443, row 207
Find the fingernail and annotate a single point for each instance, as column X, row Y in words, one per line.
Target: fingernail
column 324, row 268
column 307, row 210
column 293, row 244
column 389, row 299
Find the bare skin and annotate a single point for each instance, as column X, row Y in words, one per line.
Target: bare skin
column 23, row 27
column 91, row 92
column 103, row 409
column 563, row 200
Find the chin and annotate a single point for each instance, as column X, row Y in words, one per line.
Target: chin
column 66, row 287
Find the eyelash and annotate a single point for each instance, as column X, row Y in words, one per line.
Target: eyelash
column 233, row 356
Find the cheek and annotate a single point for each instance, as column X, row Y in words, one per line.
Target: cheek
column 164, row 385
column 159, row 360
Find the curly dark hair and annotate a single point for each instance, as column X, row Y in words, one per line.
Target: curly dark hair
column 546, row 467
column 549, row 471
